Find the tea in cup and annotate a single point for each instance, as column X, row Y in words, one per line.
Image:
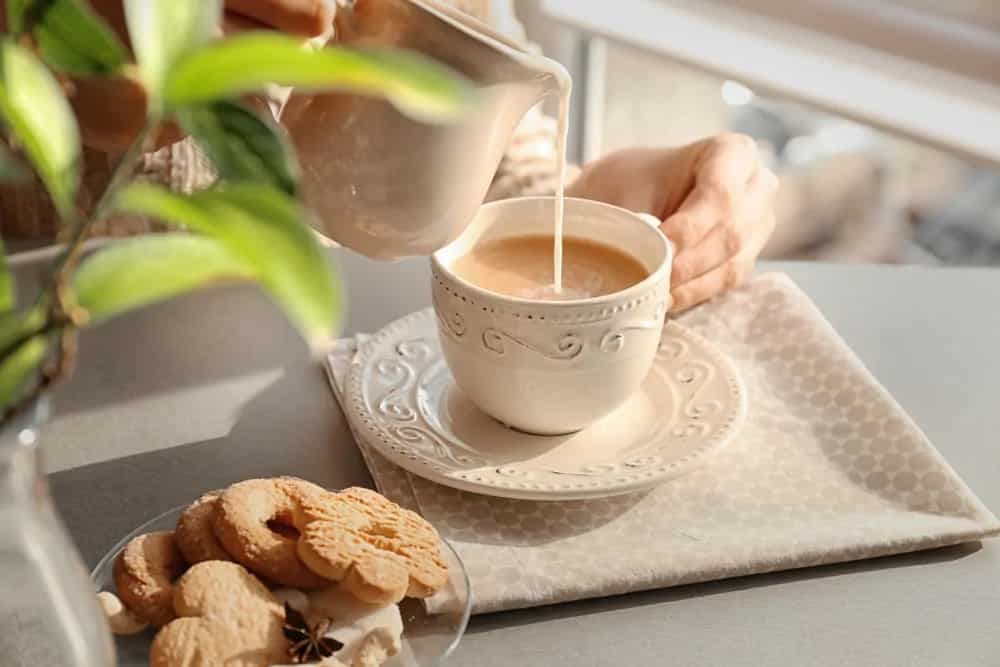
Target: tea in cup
column 541, row 359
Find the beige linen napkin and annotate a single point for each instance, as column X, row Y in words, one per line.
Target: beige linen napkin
column 826, row 468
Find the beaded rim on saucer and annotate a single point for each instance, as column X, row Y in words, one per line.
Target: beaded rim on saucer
column 398, row 389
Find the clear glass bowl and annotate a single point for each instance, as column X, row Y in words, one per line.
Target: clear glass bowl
column 428, row 638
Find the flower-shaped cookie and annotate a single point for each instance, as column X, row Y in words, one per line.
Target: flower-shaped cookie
column 380, row 551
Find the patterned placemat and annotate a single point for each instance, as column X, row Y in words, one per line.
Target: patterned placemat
column 827, row 468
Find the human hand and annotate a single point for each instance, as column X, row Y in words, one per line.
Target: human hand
column 112, row 111
column 716, row 200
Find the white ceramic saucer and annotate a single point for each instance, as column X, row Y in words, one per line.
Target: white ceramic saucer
column 401, row 399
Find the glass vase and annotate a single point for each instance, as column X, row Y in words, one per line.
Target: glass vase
column 49, row 614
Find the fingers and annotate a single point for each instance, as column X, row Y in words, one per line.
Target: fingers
column 724, row 223
column 722, row 171
column 729, row 160
column 702, row 288
column 234, row 24
column 731, row 235
column 726, row 276
column 699, row 213
column 309, row 18
column 723, row 242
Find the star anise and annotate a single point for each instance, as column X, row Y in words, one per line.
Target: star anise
column 307, row 643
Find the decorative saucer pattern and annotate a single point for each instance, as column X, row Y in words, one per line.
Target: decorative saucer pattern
column 401, row 399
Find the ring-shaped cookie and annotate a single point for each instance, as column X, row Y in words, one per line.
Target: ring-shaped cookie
column 194, row 533
column 144, row 575
column 254, row 522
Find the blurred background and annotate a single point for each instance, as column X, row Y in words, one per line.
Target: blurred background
column 881, row 116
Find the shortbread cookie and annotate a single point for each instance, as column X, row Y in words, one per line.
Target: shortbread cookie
column 407, row 533
column 144, row 573
column 194, row 534
column 254, row 522
column 226, row 616
column 378, row 550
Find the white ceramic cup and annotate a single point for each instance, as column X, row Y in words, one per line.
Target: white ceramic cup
column 552, row 367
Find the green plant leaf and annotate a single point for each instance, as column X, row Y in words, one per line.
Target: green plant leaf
column 6, row 282
column 10, row 328
column 35, row 109
column 140, row 271
column 6, row 287
column 242, row 145
column 19, row 366
column 415, row 84
column 262, row 227
column 14, row 325
column 70, row 37
column 162, row 31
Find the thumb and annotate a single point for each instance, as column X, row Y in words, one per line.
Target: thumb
column 309, row 18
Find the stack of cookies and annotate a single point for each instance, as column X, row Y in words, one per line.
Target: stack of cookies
column 277, row 571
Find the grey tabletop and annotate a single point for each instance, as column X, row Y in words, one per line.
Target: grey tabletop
column 212, row 388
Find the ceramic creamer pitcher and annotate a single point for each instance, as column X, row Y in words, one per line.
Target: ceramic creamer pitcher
column 388, row 186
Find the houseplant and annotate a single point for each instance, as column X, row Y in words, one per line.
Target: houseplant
column 250, row 226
